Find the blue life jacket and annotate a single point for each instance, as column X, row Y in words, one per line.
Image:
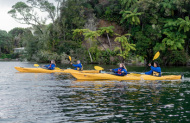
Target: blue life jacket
column 155, row 71
column 118, row 71
column 50, row 67
column 78, row 66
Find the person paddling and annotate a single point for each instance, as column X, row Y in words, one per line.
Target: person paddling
column 51, row 66
column 121, row 71
column 155, row 71
column 77, row 66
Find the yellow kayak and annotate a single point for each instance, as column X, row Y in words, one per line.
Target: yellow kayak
column 105, row 76
column 41, row 70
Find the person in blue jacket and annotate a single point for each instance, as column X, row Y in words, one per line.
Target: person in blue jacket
column 77, row 66
column 155, row 71
column 51, row 66
column 121, row 71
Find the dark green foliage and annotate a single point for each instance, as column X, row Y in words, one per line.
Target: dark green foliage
column 73, row 14
column 80, row 54
column 16, row 31
column 67, row 46
column 174, row 58
column 31, row 45
column 154, row 25
column 10, row 56
column 108, row 11
column 16, row 35
column 5, row 42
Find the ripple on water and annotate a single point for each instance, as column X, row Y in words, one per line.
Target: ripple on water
column 55, row 98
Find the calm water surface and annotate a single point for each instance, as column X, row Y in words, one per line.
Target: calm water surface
column 55, row 98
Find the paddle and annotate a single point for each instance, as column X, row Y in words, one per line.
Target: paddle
column 37, row 65
column 100, row 69
column 154, row 58
column 70, row 58
column 156, row 55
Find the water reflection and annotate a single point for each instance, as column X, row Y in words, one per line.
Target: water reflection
column 110, row 101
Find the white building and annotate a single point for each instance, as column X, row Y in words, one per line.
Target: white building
column 19, row 50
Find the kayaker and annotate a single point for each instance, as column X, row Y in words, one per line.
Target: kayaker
column 77, row 66
column 121, row 71
column 155, row 71
column 51, row 66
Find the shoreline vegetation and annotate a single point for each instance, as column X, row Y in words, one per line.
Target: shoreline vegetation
column 100, row 31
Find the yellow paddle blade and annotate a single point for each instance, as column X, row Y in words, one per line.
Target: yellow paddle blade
column 98, row 68
column 70, row 58
column 156, row 55
column 36, row 65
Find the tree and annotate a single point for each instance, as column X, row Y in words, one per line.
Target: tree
column 45, row 6
column 26, row 14
column 16, row 35
column 184, row 24
column 108, row 31
column 127, row 3
column 93, row 35
column 5, row 44
column 180, row 23
column 167, row 7
column 125, row 46
column 84, row 35
column 174, row 40
column 31, row 44
column 153, row 25
column 132, row 17
column 78, row 33
column 72, row 16
column 181, row 26
column 89, row 35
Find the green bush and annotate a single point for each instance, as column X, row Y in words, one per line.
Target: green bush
column 3, row 56
column 176, row 58
column 9, row 56
column 104, row 57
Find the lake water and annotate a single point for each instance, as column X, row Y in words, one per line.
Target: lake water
column 55, row 98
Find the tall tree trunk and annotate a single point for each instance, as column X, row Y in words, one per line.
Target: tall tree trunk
column 101, row 44
column 122, row 52
column 109, row 39
column 130, row 33
column 90, row 56
column 103, row 47
column 187, row 47
column 53, row 46
column 0, row 51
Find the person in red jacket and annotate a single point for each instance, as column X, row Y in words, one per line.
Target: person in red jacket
column 121, row 71
column 51, row 66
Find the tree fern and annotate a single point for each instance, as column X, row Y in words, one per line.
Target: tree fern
column 125, row 46
column 108, row 31
column 132, row 17
column 184, row 24
column 174, row 40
